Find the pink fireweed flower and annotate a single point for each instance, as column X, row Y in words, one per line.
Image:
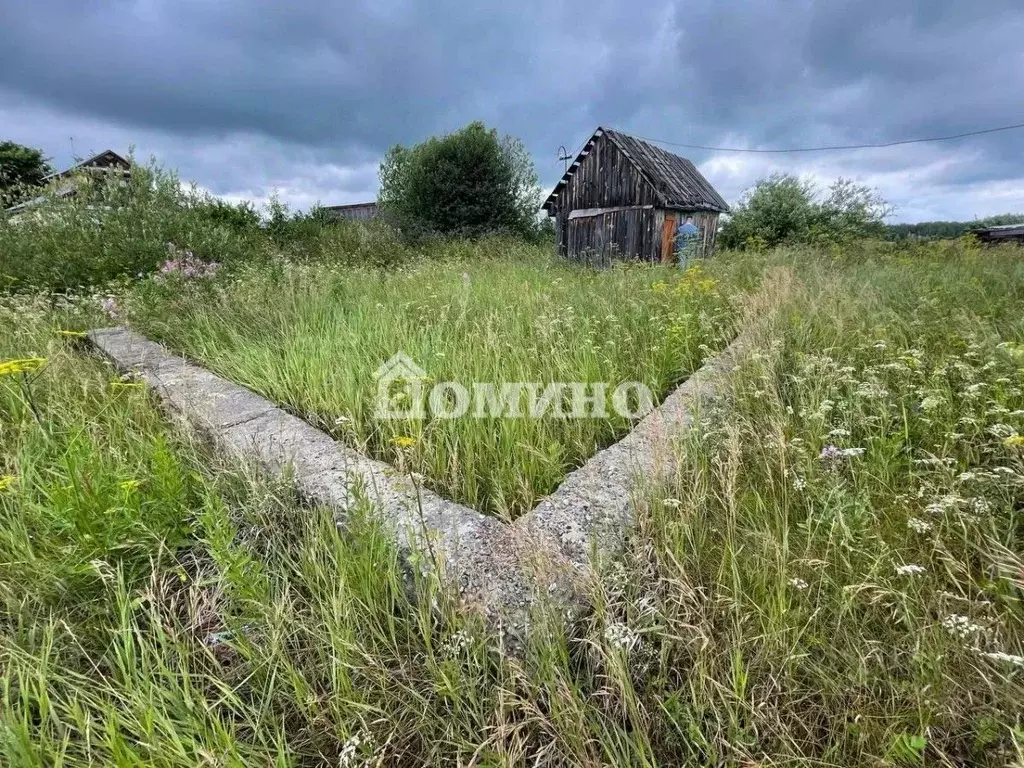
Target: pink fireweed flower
column 189, row 267
column 110, row 308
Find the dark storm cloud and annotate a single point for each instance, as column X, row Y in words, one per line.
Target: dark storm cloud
column 246, row 96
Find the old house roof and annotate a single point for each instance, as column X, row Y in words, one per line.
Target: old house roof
column 106, row 159
column 106, row 162
column 676, row 180
column 62, row 183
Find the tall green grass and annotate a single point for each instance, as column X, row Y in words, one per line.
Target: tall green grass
column 313, row 335
column 115, row 229
column 764, row 613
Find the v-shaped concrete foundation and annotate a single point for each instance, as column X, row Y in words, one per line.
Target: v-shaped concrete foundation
column 499, row 569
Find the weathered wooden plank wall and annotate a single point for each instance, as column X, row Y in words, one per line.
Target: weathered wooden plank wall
column 631, row 234
column 358, row 212
column 707, row 223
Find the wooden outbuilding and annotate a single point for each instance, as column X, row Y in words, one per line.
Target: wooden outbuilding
column 1007, row 233
column 352, row 212
column 624, row 198
column 69, row 182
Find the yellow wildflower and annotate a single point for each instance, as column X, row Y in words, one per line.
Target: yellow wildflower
column 403, row 441
column 130, row 485
column 72, row 334
column 6, row 481
column 1015, row 441
column 27, row 365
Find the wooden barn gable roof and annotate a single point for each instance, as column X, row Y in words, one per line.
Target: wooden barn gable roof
column 676, row 180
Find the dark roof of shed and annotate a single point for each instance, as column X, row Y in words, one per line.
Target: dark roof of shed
column 350, row 206
column 1004, row 232
column 676, row 180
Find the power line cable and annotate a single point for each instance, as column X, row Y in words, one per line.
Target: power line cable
column 837, row 146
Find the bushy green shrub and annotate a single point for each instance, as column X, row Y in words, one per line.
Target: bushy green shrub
column 241, row 217
column 21, row 170
column 112, row 228
column 786, row 209
column 468, row 183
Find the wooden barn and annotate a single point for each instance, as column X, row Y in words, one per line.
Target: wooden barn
column 352, row 212
column 69, row 182
column 1007, row 233
column 623, row 198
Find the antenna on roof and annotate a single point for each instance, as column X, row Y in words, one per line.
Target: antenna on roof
column 563, row 155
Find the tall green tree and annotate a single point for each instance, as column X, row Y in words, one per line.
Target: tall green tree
column 467, row 183
column 21, row 168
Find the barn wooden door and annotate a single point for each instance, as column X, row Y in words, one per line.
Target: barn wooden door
column 668, row 237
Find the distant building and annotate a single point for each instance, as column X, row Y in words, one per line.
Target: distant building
column 1008, row 233
column 353, row 212
column 67, row 183
column 624, row 199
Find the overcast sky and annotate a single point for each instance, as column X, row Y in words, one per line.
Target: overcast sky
column 245, row 98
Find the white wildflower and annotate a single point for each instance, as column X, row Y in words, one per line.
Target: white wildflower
column 839, row 432
column 1001, row 430
column 918, row 525
column 672, row 503
column 930, row 403
column 617, row 577
column 945, row 504
column 456, row 643
column 798, row 583
column 974, row 390
column 980, row 506
column 350, row 749
column 961, row 626
column 621, row 636
column 872, row 389
column 1000, row 656
column 910, row 570
column 799, row 483
column 935, row 461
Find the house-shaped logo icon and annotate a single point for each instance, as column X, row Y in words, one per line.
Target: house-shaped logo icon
column 400, row 366
column 400, row 388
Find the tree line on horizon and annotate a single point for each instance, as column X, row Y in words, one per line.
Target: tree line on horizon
column 473, row 182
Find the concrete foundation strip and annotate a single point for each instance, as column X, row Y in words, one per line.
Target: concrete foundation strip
column 499, row 569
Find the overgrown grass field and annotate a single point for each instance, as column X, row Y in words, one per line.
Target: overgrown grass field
column 833, row 578
column 312, row 337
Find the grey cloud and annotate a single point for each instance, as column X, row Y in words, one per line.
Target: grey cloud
column 246, row 97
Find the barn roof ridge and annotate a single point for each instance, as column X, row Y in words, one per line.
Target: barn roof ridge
column 675, row 179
